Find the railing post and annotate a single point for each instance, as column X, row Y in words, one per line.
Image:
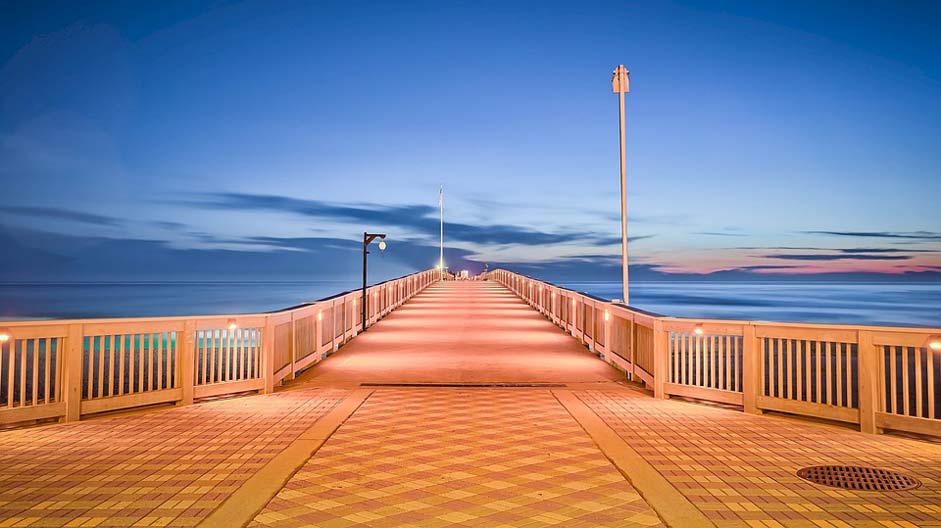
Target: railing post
column 186, row 360
column 72, row 373
column 751, row 369
column 660, row 360
column 870, row 399
column 318, row 332
column 267, row 356
column 632, row 343
column 293, row 343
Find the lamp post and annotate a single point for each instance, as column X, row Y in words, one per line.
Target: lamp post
column 367, row 239
column 621, row 84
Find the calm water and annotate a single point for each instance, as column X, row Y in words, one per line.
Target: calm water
column 917, row 304
column 83, row 300
column 849, row 303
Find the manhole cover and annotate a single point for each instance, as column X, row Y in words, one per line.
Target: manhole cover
column 858, row 478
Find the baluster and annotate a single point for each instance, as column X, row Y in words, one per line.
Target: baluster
column 919, row 400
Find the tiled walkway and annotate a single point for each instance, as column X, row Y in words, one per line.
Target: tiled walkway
column 438, row 457
column 169, row 467
column 740, row 469
column 487, row 457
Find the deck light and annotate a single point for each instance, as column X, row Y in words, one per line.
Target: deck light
column 320, row 316
column 553, row 295
column 934, row 343
column 231, row 325
column 698, row 329
column 5, row 335
column 382, row 245
column 606, row 315
column 573, row 302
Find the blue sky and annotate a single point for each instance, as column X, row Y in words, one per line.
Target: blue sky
column 227, row 139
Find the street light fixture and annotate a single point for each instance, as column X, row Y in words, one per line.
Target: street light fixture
column 367, row 239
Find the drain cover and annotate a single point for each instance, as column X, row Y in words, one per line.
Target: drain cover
column 858, row 478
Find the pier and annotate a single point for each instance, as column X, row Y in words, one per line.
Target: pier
column 504, row 401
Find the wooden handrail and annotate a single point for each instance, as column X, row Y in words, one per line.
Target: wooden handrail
column 878, row 377
column 69, row 368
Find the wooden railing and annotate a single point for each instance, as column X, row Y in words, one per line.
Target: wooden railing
column 73, row 368
column 876, row 377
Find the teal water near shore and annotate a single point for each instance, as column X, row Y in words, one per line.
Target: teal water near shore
column 916, row 304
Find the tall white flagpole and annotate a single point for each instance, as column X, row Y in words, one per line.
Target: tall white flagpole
column 621, row 83
column 441, row 208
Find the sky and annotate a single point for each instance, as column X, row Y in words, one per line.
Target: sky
column 258, row 140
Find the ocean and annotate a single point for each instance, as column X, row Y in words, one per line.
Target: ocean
column 875, row 303
column 897, row 304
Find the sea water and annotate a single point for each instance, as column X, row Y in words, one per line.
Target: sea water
column 898, row 304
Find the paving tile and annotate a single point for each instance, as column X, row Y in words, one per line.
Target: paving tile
column 739, row 469
column 451, row 457
column 162, row 468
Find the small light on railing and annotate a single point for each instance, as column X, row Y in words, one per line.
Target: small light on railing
column 934, row 343
column 320, row 316
column 5, row 335
column 573, row 302
column 354, row 302
column 231, row 325
column 606, row 315
column 698, row 329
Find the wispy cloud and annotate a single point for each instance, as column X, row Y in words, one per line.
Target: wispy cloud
column 418, row 219
column 62, row 214
column 825, row 257
column 720, row 233
column 905, row 235
column 839, row 250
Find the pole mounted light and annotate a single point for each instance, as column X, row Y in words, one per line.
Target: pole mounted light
column 368, row 239
column 621, row 84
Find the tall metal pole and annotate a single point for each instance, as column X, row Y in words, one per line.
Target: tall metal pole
column 367, row 239
column 365, row 297
column 441, row 251
column 621, row 84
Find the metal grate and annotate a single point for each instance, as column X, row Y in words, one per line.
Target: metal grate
column 858, row 478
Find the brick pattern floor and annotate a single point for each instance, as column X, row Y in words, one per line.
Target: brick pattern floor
column 740, row 469
column 435, row 458
column 170, row 467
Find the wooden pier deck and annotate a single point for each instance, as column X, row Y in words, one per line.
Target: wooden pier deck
column 525, row 427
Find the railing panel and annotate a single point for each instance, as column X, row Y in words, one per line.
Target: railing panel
column 599, row 317
column 911, row 379
column 283, row 343
column 326, row 323
column 30, row 372
column 339, row 325
column 644, row 347
column 619, row 338
column 305, row 329
column 708, row 360
column 119, row 364
column 812, row 371
column 226, row 355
